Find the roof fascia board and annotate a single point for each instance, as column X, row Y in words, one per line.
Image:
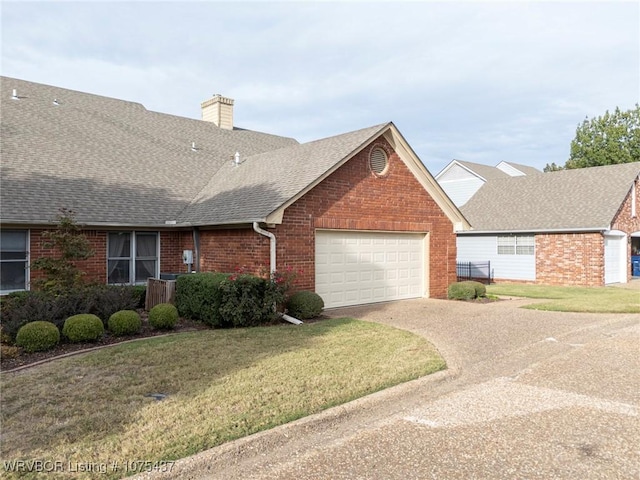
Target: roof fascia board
column 429, row 183
column 543, row 230
column 277, row 215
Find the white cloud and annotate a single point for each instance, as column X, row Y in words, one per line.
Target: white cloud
column 476, row 81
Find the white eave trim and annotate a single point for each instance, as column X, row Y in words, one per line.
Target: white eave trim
column 543, row 230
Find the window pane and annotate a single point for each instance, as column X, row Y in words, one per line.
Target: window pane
column 13, row 276
column 119, row 245
column 506, row 245
column 146, row 245
column 118, row 271
column 145, row 269
column 13, row 241
column 525, row 245
column 13, row 255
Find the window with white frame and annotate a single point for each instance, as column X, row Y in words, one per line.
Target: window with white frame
column 516, row 245
column 132, row 257
column 14, row 260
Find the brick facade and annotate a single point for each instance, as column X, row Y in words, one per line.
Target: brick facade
column 352, row 198
column 570, row 259
column 172, row 243
column 94, row 267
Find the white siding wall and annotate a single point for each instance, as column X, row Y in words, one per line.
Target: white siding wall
column 484, row 248
column 509, row 170
column 460, row 191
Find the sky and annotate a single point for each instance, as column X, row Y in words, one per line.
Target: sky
column 477, row 81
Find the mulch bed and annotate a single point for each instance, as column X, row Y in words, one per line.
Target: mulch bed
column 63, row 348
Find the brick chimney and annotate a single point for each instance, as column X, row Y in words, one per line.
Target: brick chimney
column 218, row 110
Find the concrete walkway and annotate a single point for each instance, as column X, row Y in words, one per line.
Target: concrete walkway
column 528, row 395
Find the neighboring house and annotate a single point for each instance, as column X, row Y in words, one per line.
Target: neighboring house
column 358, row 214
column 461, row 180
column 572, row 227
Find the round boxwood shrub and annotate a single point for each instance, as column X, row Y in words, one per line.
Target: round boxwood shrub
column 461, row 291
column 38, row 336
column 84, row 327
column 125, row 322
column 163, row 316
column 480, row 289
column 305, row 304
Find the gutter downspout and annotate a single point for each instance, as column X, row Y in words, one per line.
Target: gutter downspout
column 196, row 247
column 272, row 246
column 272, row 264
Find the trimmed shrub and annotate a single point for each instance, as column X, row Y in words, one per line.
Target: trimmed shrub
column 125, row 322
column 101, row 300
column 461, row 291
column 105, row 300
column 38, row 336
column 198, row 297
column 305, row 305
column 480, row 289
column 247, row 301
column 163, row 316
column 84, row 327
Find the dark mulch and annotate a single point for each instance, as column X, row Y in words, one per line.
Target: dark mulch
column 24, row 358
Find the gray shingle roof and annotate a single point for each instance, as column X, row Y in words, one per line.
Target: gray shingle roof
column 262, row 183
column 485, row 171
column 586, row 198
column 115, row 162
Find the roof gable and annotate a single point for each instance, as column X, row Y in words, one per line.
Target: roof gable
column 581, row 199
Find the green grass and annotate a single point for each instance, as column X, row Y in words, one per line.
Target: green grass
column 574, row 299
column 221, row 385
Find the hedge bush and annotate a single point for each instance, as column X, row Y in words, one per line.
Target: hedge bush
column 480, row 289
column 198, row 297
column 38, row 336
column 305, row 305
column 21, row 308
column 84, row 327
column 163, row 316
column 461, row 291
column 125, row 322
column 247, row 301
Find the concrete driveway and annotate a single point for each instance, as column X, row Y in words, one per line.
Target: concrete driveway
column 528, row 395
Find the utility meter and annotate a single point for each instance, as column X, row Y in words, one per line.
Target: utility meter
column 187, row 257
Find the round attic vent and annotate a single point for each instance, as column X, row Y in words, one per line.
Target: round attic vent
column 378, row 161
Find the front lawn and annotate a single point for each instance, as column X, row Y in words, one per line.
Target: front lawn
column 574, row 299
column 95, row 408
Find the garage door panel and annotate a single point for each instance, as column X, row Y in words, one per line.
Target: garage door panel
column 363, row 267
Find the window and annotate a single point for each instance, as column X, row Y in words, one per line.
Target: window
column 13, row 260
column 132, row 257
column 516, row 245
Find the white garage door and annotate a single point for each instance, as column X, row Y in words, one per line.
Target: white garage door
column 354, row 268
column 615, row 258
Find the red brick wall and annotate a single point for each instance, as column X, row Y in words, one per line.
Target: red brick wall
column 172, row 243
column 94, row 267
column 570, row 259
column 352, row 198
column 230, row 249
